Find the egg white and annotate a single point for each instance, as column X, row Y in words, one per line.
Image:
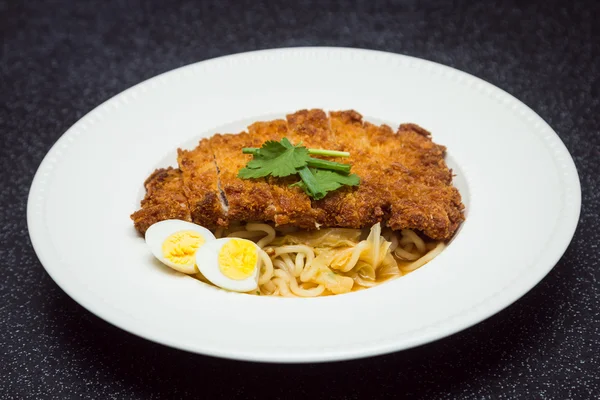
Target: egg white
column 207, row 260
column 160, row 231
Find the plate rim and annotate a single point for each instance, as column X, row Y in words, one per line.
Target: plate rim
column 568, row 220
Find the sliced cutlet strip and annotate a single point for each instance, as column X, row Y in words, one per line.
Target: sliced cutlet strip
column 246, row 200
column 367, row 204
column 412, row 148
column 200, row 185
column 428, row 202
column 419, row 184
column 263, row 199
column 164, row 199
column 404, row 179
column 292, row 207
column 313, row 129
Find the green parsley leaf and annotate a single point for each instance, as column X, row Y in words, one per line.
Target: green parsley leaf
column 328, row 181
column 277, row 159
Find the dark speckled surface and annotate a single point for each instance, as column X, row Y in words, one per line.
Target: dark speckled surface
column 59, row 59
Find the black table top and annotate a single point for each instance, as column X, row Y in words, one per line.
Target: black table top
column 60, row 59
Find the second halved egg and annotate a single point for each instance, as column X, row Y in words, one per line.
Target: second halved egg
column 230, row 263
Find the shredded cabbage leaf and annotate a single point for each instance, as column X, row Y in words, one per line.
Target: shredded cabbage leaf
column 336, row 265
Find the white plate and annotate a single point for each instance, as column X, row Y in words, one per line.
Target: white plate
column 517, row 179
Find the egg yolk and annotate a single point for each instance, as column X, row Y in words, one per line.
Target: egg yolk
column 237, row 259
column 180, row 248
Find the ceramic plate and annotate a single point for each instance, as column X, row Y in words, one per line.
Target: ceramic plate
column 518, row 182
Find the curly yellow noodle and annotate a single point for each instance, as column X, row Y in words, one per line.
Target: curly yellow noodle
column 308, row 251
column 283, row 288
column 415, row 239
column 426, row 258
column 295, row 289
column 299, row 264
column 310, row 271
column 269, row 287
column 290, row 266
column 406, row 255
column 267, row 272
column 279, row 265
column 269, row 230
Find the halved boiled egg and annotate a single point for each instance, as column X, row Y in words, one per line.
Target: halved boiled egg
column 175, row 243
column 230, row 263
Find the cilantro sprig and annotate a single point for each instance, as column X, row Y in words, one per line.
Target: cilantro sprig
column 329, row 180
column 281, row 159
column 274, row 158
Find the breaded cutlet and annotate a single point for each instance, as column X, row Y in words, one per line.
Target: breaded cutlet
column 405, row 182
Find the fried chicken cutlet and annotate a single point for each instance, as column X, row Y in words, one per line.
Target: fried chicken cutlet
column 405, row 182
column 165, row 199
